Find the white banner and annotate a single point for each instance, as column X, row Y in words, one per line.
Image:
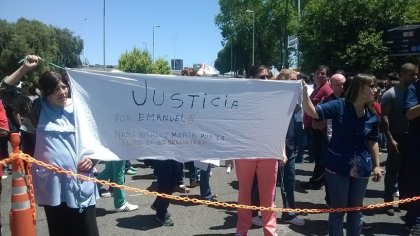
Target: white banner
column 134, row 116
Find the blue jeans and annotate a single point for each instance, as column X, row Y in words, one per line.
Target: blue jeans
column 393, row 169
column 393, row 163
column 193, row 171
column 299, row 140
column 205, row 189
column 167, row 173
column 309, row 139
column 345, row 192
column 179, row 172
column 286, row 180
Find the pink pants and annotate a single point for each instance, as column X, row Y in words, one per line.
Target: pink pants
column 266, row 171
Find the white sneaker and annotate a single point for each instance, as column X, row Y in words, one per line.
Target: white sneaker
column 229, row 169
column 4, row 176
column 127, row 207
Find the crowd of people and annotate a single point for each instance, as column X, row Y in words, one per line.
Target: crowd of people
column 343, row 120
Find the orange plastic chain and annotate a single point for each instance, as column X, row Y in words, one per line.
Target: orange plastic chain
column 29, row 159
column 30, row 188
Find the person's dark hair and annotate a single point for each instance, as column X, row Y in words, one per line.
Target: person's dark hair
column 256, row 69
column 393, row 76
column 303, row 76
column 357, row 84
column 340, row 71
column 346, row 84
column 49, row 81
column 408, row 67
column 321, row 67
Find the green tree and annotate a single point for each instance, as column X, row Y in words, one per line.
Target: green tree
column 70, row 48
column 161, row 66
column 223, row 61
column 139, row 61
column 236, row 28
column 136, row 61
column 34, row 37
column 348, row 34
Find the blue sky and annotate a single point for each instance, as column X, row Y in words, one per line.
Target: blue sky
column 130, row 23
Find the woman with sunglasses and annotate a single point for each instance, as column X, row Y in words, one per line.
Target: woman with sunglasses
column 353, row 151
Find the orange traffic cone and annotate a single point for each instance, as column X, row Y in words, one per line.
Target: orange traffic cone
column 22, row 221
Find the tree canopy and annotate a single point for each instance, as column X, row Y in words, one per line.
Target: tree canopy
column 236, row 21
column 349, row 34
column 61, row 47
column 139, row 61
column 343, row 34
column 24, row 37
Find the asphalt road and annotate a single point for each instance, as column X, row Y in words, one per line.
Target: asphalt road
column 199, row 220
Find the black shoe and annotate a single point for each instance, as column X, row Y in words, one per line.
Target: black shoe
column 182, row 189
column 166, row 222
column 194, row 183
column 366, row 226
column 402, row 206
column 390, row 211
column 168, row 215
column 311, row 185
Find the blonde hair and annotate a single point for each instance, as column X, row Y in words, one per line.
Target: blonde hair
column 286, row 74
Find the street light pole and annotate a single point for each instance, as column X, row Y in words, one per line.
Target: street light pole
column 173, row 64
column 231, row 54
column 104, row 35
column 286, row 52
column 297, row 51
column 253, row 35
column 153, row 50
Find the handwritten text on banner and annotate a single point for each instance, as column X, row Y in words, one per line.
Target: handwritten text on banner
column 134, row 116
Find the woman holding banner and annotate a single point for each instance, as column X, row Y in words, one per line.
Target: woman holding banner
column 69, row 203
column 265, row 171
column 352, row 152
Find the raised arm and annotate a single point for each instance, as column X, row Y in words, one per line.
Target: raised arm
column 31, row 61
column 13, row 97
column 307, row 105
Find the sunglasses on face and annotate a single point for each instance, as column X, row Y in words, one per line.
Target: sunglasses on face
column 264, row 77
